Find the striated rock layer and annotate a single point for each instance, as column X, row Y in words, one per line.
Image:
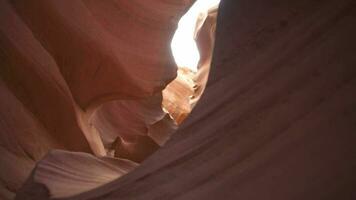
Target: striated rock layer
column 82, row 76
column 277, row 119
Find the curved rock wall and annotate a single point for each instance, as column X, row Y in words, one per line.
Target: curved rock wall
column 68, row 65
column 277, row 119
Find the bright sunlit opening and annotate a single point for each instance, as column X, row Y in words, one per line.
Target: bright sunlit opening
column 183, row 46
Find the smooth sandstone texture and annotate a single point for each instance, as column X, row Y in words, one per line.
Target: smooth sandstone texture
column 277, row 119
column 66, row 173
column 67, row 66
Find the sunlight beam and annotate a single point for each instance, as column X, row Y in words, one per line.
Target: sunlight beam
column 183, row 46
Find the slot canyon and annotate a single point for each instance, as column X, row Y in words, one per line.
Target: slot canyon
column 177, row 100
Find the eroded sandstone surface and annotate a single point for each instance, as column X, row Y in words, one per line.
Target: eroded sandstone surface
column 276, row 121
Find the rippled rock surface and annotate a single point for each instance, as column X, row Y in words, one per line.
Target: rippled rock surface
column 277, row 119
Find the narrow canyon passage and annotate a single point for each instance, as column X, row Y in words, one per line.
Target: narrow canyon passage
column 117, row 98
column 276, row 119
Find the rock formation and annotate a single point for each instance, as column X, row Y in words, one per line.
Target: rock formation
column 276, row 120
